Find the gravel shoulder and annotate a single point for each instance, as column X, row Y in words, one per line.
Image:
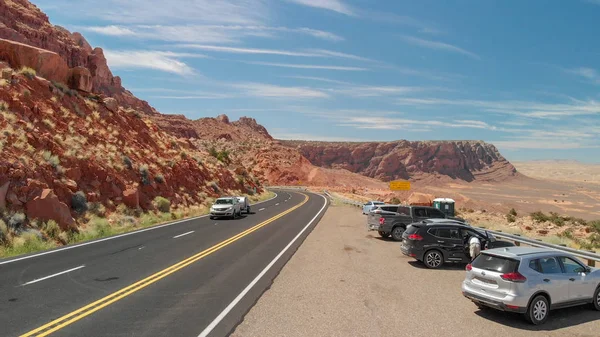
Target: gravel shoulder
column 345, row 281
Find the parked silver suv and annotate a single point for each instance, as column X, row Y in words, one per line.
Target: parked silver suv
column 531, row 281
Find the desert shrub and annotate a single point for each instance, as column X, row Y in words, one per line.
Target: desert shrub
column 51, row 159
column 162, row 204
column 28, row 72
column 3, row 106
column 159, row 178
column 4, row 234
column 213, row 152
column 101, row 227
column 145, row 173
column 512, row 212
column 240, row 180
column 223, row 156
column 595, row 225
column 557, row 219
column 567, row 234
column 183, row 155
column 97, row 209
column 26, row 93
column 79, row 202
column 52, row 229
column 77, row 110
column 539, row 216
column 31, row 243
column 127, row 162
column 395, row 201
column 510, row 218
column 16, row 221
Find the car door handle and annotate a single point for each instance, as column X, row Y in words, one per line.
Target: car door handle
column 572, row 279
column 546, row 280
column 441, row 241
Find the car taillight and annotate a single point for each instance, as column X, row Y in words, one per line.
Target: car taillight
column 415, row 237
column 381, row 221
column 514, row 277
column 469, row 267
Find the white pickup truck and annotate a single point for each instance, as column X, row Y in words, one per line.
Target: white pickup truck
column 226, row 207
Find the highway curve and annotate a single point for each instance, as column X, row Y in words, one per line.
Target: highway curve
column 192, row 278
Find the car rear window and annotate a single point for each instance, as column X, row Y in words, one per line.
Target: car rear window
column 495, row 263
column 411, row 229
column 404, row 210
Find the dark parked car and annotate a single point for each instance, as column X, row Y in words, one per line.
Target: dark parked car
column 435, row 242
column 394, row 223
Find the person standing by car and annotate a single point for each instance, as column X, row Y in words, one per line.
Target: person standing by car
column 474, row 247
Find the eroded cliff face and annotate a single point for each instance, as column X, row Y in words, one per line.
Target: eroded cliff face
column 82, row 67
column 465, row 160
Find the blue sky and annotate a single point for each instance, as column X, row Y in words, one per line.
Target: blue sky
column 523, row 75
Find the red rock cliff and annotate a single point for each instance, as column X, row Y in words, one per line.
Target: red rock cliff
column 23, row 22
column 465, row 160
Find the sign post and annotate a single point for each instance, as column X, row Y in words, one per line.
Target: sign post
column 400, row 185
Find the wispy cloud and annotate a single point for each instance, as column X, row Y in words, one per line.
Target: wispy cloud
column 283, row 134
column 388, row 123
column 543, row 144
column 307, row 66
column 588, row 73
column 374, row 91
column 438, row 46
column 319, row 79
column 238, row 50
column 275, row 91
column 521, row 108
column 246, row 12
column 158, row 60
column 332, row 53
column 205, row 33
column 332, row 5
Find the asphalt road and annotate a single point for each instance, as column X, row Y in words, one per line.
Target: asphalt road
column 193, row 278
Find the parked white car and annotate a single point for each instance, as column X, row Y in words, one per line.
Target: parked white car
column 530, row 281
column 244, row 204
column 367, row 207
column 226, row 207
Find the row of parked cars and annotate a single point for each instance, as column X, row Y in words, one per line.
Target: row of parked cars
column 229, row 207
column 526, row 280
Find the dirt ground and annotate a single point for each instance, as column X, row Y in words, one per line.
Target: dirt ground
column 345, row 281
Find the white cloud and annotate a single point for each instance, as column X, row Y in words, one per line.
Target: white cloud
column 319, row 79
column 111, row 30
column 520, row 108
column 332, row 53
column 239, row 50
column 390, row 123
column 284, row 134
column 158, row 60
column 374, row 91
column 587, row 73
column 541, row 144
column 196, row 33
column 247, row 12
column 307, row 66
column 274, row 91
column 438, row 46
column 332, row 5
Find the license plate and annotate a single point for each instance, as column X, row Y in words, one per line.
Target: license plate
column 482, row 280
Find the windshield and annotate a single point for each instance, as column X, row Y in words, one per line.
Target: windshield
column 224, row 202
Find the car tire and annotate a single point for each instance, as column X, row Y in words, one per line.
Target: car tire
column 384, row 234
column 596, row 304
column 433, row 259
column 397, row 233
column 248, row 210
column 211, row 217
column 538, row 310
column 482, row 306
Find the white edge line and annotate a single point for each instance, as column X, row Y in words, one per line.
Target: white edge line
column 53, row 275
column 262, row 209
column 184, row 234
column 114, row 237
column 277, row 204
column 239, row 297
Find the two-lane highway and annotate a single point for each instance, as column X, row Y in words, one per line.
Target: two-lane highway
column 194, row 277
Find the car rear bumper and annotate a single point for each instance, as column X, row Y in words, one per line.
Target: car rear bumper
column 372, row 227
column 492, row 302
column 411, row 251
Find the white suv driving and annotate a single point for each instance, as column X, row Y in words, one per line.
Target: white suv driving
column 531, row 281
column 226, row 207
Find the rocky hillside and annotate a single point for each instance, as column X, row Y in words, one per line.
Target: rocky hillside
column 68, row 58
column 465, row 160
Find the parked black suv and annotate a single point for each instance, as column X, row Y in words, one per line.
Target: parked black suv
column 436, row 242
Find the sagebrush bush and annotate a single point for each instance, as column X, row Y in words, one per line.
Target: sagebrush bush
column 539, row 216
column 52, row 229
column 159, row 178
column 79, row 202
column 513, row 212
column 53, row 160
column 510, row 218
column 30, row 73
column 127, row 162
column 97, row 209
column 162, row 204
column 17, row 220
column 4, row 235
column 145, row 173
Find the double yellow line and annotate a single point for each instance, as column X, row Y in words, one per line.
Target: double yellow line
column 89, row 309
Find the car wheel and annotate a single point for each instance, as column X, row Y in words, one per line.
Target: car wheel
column 248, row 210
column 597, row 299
column 383, row 234
column 433, row 259
column 538, row 310
column 397, row 233
column 482, row 306
column 211, row 217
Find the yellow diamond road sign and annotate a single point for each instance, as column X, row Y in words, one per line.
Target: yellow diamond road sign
column 400, row 185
